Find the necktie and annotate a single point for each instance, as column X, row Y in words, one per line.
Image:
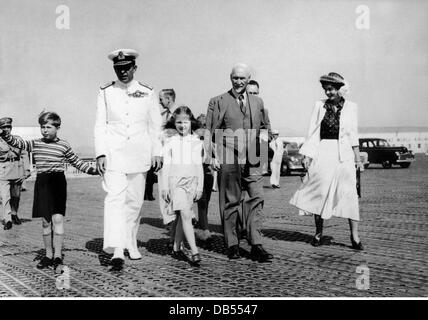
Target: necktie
column 241, row 103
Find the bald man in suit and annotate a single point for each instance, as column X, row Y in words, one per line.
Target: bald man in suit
column 236, row 123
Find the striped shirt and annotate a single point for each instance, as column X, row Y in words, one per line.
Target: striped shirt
column 49, row 156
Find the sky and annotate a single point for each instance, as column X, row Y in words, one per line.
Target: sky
column 191, row 46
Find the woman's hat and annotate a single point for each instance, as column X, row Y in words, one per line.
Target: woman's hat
column 333, row 78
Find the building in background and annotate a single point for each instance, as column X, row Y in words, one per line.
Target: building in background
column 413, row 138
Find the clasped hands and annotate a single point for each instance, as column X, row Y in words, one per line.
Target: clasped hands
column 157, row 162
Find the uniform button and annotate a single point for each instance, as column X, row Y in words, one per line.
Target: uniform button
column 127, row 126
column 127, row 113
column 127, row 138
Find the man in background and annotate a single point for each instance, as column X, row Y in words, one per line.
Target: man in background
column 14, row 169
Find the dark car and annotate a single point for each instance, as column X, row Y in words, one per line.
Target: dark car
column 291, row 158
column 379, row 151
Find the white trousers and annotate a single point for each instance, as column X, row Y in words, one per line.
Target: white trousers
column 276, row 173
column 122, row 209
column 5, row 200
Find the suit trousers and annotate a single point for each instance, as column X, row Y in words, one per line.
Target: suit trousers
column 203, row 202
column 5, row 199
column 233, row 179
column 122, row 209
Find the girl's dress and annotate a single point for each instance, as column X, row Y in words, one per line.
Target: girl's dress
column 329, row 188
column 184, row 171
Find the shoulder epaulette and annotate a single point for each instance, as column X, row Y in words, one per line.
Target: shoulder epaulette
column 107, row 85
column 146, row 85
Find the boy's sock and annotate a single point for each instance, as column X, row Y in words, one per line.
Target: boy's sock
column 57, row 242
column 47, row 240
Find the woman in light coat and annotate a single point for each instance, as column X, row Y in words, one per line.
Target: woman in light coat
column 331, row 153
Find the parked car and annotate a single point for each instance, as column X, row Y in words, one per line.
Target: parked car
column 291, row 158
column 379, row 151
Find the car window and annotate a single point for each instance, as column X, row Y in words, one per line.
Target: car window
column 383, row 143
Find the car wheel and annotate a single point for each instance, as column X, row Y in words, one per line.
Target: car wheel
column 366, row 165
column 386, row 164
column 405, row 165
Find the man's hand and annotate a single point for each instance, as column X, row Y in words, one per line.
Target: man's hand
column 359, row 165
column 306, row 162
column 215, row 165
column 101, row 165
column 165, row 196
column 157, row 162
column 197, row 196
column 92, row 171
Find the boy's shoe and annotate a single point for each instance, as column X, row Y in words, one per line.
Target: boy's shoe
column 44, row 263
column 57, row 264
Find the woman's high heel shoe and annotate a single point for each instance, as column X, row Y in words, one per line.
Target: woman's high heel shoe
column 316, row 240
column 356, row 246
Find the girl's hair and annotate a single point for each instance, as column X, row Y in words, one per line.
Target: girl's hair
column 182, row 110
column 47, row 116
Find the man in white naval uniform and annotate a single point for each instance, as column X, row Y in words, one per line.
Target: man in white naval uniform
column 127, row 144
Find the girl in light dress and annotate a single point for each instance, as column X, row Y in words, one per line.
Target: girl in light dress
column 183, row 178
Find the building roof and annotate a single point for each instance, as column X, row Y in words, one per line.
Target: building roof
column 391, row 129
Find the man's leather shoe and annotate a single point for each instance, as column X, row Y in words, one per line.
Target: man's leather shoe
column 8, row 225
column 117, row 264
column 259, row 254
column 15, row 219
column 233, row 252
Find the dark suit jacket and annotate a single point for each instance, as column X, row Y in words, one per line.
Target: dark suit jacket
column 217, row 108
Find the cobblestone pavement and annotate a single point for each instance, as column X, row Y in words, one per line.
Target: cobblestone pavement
column 394, row 207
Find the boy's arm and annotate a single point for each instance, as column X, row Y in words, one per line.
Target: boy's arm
column 76, row 162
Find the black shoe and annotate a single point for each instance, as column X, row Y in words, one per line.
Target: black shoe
column 57, row 264
column 179, row 255
column 16, row 220
column 117, row 264
column 259, row 254
column 149, row 197
column 275, row 186
column 44, row 263
column 316, row 240
column 233, row 252
column 194, row 222
column 196, row 260
column 356, row 246
column 7, row 225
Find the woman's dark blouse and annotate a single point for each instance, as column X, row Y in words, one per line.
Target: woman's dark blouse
column 330, row 124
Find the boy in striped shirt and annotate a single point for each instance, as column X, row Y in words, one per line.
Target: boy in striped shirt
column 50, row 190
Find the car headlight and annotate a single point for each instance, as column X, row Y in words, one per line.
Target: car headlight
column 292, row 159
column 397, row 153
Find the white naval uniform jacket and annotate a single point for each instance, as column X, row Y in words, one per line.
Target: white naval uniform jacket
column 128, row 126
column 348, row 131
